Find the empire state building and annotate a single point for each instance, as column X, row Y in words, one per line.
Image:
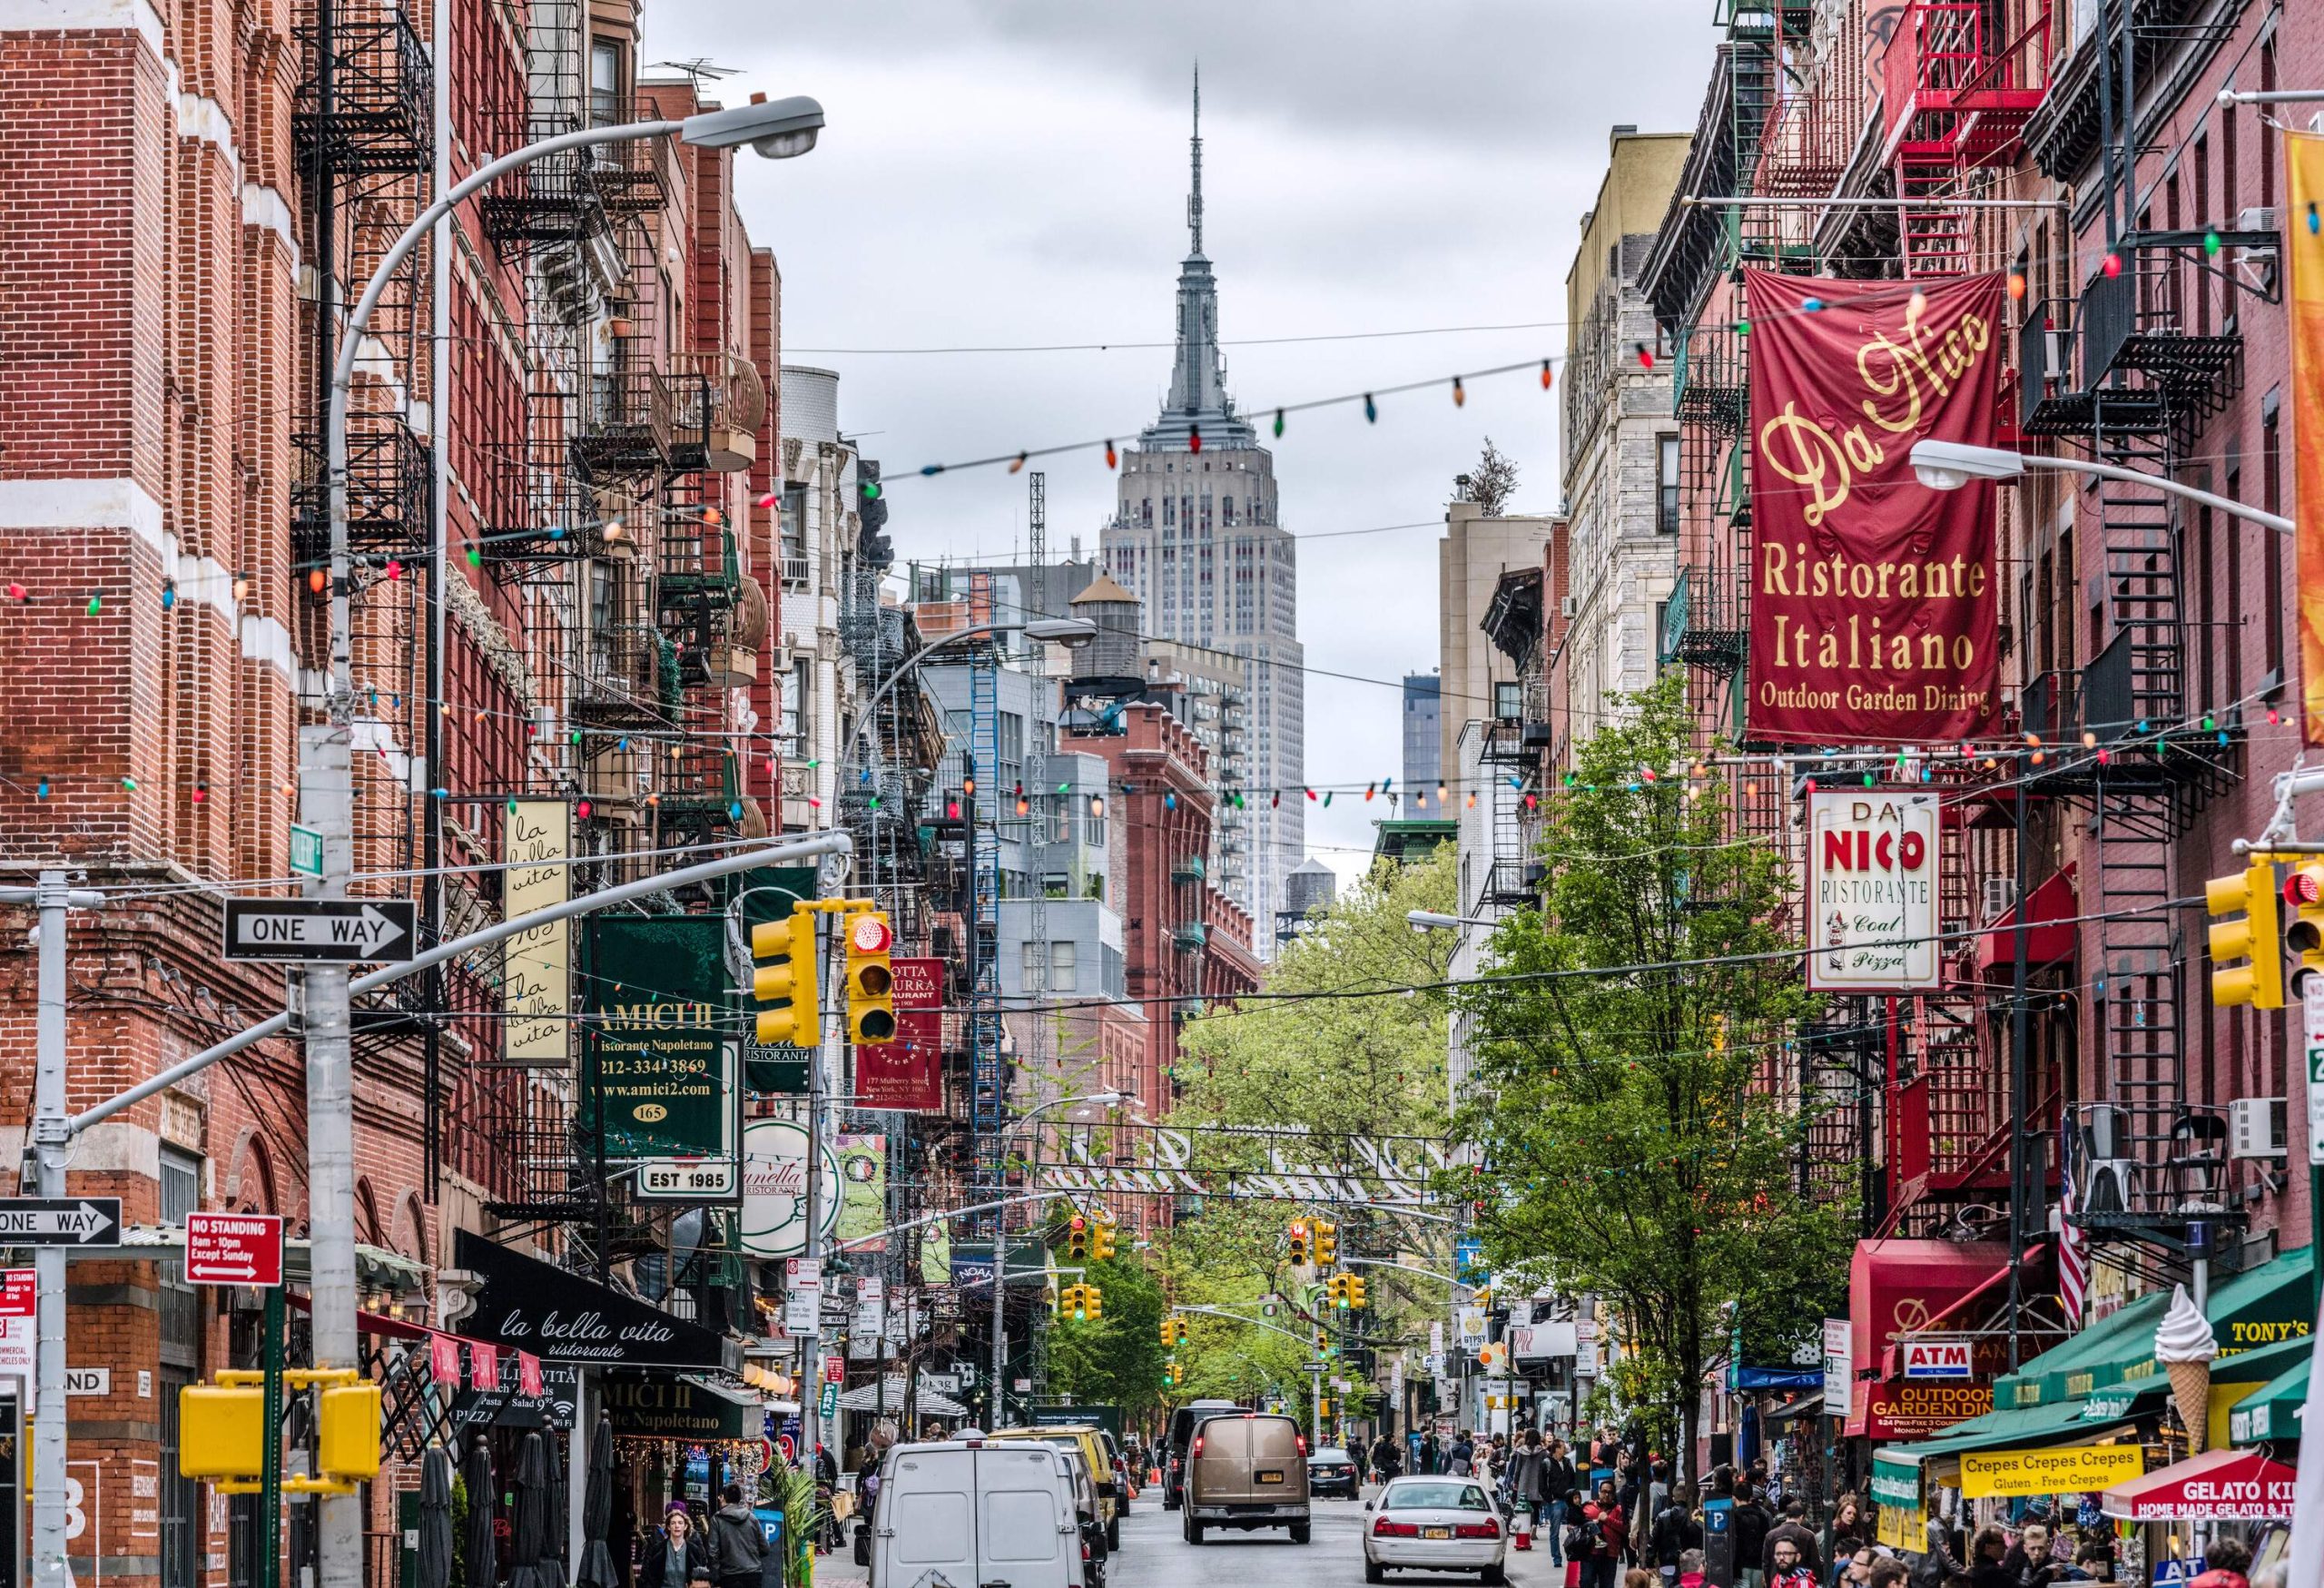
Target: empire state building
column 1197, row 537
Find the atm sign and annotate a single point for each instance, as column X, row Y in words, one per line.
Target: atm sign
column 1938, row 1359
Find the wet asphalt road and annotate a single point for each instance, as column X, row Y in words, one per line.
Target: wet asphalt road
column 1154, row 1555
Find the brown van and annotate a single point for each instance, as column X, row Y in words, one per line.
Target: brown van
column 1246, row 1470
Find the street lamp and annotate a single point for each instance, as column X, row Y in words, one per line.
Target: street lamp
column 1070, row 631
column 1950, row 465
column 1437, row 921
column 997, row 1406
column 778, row 129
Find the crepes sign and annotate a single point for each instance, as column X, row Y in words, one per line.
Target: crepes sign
column 1875, row 609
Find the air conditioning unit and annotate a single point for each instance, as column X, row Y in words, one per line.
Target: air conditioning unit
column 2256, row 1128
column 2110, row 1174
column 1997, row 895
column 1568, row 607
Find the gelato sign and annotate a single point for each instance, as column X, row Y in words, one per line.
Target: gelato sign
column 1872, row 866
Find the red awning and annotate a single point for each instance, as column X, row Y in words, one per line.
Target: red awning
column 369, row 1322
column 1896, row 1287
column 2218, row 1485
column 2049, row 936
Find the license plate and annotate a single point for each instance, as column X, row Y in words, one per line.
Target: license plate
column 1270, row 1477
column 1436, row 1533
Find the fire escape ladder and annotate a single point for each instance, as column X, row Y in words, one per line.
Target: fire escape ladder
column 988, row 1067
column 2139, row 991
column 1953, row 105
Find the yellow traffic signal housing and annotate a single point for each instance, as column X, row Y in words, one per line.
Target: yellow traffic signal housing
column 1327, row 1244
column 222, row 1434
column 1299, row 1245
column 2304, row 891
column 1356, row 1291
column 1071, row 1302
column 346, row 1432
column 2254, row 939
column 1339, row 1290
column 1169, row 1332
column 784, row 978
column 1077, row 1238
column 1323, row 1340
column 1095, row 1295
column 1101, row 1237
column 871, row 982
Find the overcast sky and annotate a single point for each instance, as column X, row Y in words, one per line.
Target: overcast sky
column 1014, row 172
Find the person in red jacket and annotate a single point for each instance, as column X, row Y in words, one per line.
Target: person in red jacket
column 2227, row 1561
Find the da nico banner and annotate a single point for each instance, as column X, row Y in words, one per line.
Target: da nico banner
column 536, row 967
column 658, row 1051
column 1872, row 860
column 1875, row 609
column 2304, row 159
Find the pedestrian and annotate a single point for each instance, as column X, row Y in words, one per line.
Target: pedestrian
column 1937, row 1562
column 1786, row 1568
column 1792, row 1526
column 1520, row 1476
column 1848, row 1531
column 1638, row 1577
column 1887, row 1571
column 1459, row 1460
column 737, row 1547
column 1608, row 1537
column 1690, row 1569
column 1387, row 1460
column 1428, row 1454
column 2092, row 1562
column 673, row 1556
column 1855, row 1571
column 1751, row 1524
column 2229, row 1559
column 1558, row 1480
column 1988, row 1553
column 1675, row 1533
column 2032, row 1561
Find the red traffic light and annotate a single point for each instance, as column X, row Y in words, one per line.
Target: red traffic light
column 1077, row 1224
column 2305, row 886
column 869, row 934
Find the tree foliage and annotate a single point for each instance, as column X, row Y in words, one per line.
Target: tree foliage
column 1492, row 482
column 1638, row 1139
column 1360, row 1056
column 1115, row 1360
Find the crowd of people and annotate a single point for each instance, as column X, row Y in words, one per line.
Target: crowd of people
column 1609, row 1514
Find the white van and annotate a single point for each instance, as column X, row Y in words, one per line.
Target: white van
column 968, row 1513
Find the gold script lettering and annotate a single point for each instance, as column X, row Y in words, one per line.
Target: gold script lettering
column 1814, row 459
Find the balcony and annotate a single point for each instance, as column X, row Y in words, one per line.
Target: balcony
column 1188, row 868
column 632, row 178
column 1707, row 623
column 387, row 477
column 616, row 683
column 553, row 200
column 381, row 119
column 1190, row 937
column 1706, row 380
column 624, row 422
column 701, row 790
column 718, row 403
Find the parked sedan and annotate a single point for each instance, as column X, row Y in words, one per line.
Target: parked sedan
column 1435, row 1525
column 1333, row 1472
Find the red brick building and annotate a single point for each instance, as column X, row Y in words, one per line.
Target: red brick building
column 563, row 423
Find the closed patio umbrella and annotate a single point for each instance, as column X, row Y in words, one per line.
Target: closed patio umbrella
column 528, row 1535
column 598, row 1511
column 436, row 1518
column 480, row 1556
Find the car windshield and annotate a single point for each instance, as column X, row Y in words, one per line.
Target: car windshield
column 1433, row 1496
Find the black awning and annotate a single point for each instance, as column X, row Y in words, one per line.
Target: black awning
column 559, row 1316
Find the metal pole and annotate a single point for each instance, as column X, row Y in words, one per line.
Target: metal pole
column 813, row 1368
column 2017, row 1138
column 270, row 1499
column 50, row 1140
column 995, row 1404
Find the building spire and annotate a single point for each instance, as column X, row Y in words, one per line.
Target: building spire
column 1194, row 198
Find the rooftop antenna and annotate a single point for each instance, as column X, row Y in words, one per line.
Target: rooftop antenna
column 1037, row 518
column 1194, row 200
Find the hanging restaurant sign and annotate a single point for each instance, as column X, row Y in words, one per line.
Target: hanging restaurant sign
column 2070, row 1469
column 559, row 1316
column 659, row 1060
column 909, row 1073
column 1872, row 859
column 536, row 965
column 1875, row 609
column 2304, row 164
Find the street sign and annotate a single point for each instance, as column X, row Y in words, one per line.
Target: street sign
column 829, row 1401
column 834, row 1369
column 19, row 1293
column 306, row 850
column 59, row 1220
column 320, row 931
column 233, row 1248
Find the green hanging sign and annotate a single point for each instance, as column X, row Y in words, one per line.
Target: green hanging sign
column 660, row 1055
column 767, row 894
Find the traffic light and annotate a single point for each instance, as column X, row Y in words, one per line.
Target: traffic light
column 1076, row 1302
column 1323, row 1341
column 1298, row 1244
column 1356, row 1292
column 1077, row 1238
column 2304, row 891
column 1339, row 1292
column 784, row 976
column 1093, row 1298
column 1101, row 1239
column 221, row 1434
column 346, row 1432
column 1327, row 1244
column 871, row 984
column 1174, row 1375
column 2254, row 937
column 1324, row 1406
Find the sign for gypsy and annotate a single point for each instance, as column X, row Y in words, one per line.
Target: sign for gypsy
column 1875, row 609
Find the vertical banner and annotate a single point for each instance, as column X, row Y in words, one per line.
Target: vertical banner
column 909, row 1073
column 537, row 966
column 1874, row 603
column 862, row 1192
column 2304, row 159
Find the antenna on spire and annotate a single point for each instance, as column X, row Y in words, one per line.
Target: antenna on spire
column 1194, row 200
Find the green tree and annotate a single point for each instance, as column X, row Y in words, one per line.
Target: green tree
column 1635, row 1136
column 1349, row 1044
column 1115, row 1360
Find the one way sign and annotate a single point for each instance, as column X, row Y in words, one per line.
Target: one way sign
column 59, row 1221
column 321, row 930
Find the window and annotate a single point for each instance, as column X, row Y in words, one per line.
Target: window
column 1036, row 972
column 791, row 732
column 1666, row 485
column 1062, row 967
column 1508, row 702
column 605, row 83
column 2272, row 497
column 793, row 528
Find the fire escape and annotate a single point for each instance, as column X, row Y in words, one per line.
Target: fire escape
column 1956, row 103
column 2130, row 372
column 987, row 1062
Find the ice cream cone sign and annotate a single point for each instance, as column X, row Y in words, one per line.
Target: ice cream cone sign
column 2185, row 1346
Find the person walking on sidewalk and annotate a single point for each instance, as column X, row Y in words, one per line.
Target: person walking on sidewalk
column 737, row 1547
column 1675, row 1533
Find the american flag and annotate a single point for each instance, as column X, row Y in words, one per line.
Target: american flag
column 2073, row 1243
